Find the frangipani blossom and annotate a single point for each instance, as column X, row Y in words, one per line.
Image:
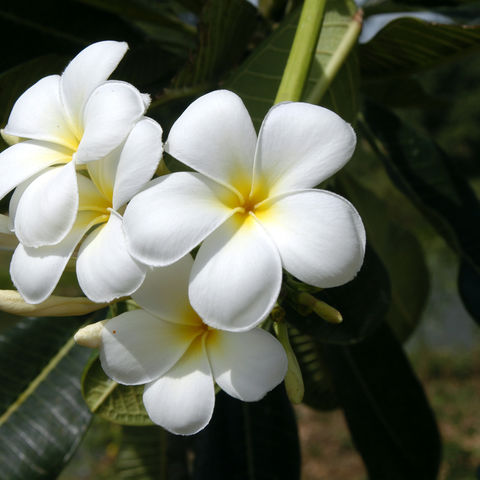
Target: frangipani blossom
column 105, row 269
column 170, row 349
column 68, row 120
column 253, row 206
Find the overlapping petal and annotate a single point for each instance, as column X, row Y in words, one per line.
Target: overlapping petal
column 246, row 365
column 165, row 221
column 182, row 400
column 105, row 269
column 109, row 115
column 301, row 145
column 320, row 236
column 164, row 293
column 23, row 160
column 138, row 347
column 39, row 114
column 236, row 277
column 84, row 73
column 216, row 137
column 36, row 271
column 47, row 208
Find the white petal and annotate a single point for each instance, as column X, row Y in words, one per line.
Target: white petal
column 320, row 236
column 236, row 277
column 138, row 347
column 246, row 365
column 165, row 221
column 182, row 400
column 105, row 269
column 110, row 113
column 300, row 145
column 164, row 292
column 23, row 160
column 36, row 271
column 87, row 70
column 89, row 196
column 138, row 160
column 48, row 207
column 215, row 136
column 39, row 114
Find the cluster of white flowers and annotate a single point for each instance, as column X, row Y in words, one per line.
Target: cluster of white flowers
column 82, row 156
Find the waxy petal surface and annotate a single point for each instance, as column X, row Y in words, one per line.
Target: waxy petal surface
column 23, row 160
column 38, row 114
column 300, row 145
column 164, row 292
column 246, row 365
column 36, row 271
column 165, row 221
column 138, row 347
column 92, row 66
column 48, row 207
column 105, row 269
column 236, row 277
column 110, row 113
column 182, row 400
column 320, row 236
column 216, row 137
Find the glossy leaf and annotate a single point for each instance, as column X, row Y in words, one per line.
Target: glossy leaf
column 319, row 393
column 363, row 303
column 151, row 453
column 258, row 78
column 42, row 413
column 407, row 45
column 247, row 441
column 424, row 173
column 117, row 403
column 399, row 251
column 391, row 422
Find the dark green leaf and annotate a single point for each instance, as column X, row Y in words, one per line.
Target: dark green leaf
column 408, row 45
column 258, row 78
column 319, row 392
column 386, row 409
column 363, row 303
column 469, row 289
column 116, row 403
column 424, row 173
column 249, row 441
column 399, row 251
column 151, row 453
column 42, row 413
column 224, row 31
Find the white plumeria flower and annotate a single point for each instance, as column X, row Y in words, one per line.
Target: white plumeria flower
column 252, row 205
column 170, row 349
column 67, row 120
column 105, row 269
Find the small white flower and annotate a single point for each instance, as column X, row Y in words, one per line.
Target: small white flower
column 68, row 120
column 253, row 206
column 167, row 347
column 105, row 269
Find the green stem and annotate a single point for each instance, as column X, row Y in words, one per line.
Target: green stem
column 176, row 93
column 302, row 51
column 337, row 59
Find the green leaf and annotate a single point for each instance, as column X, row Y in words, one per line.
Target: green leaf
column 112, row 401
column 399, row 251
column 319, row 393
column 223, row 34
column 151, row 453
column 15, row 81
column 424, row 173
column 258, row 78
column 469, row 288
column 387, row 412
column 408, row 45
column 249, row 441
column 42, row 413
column 363, row 303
